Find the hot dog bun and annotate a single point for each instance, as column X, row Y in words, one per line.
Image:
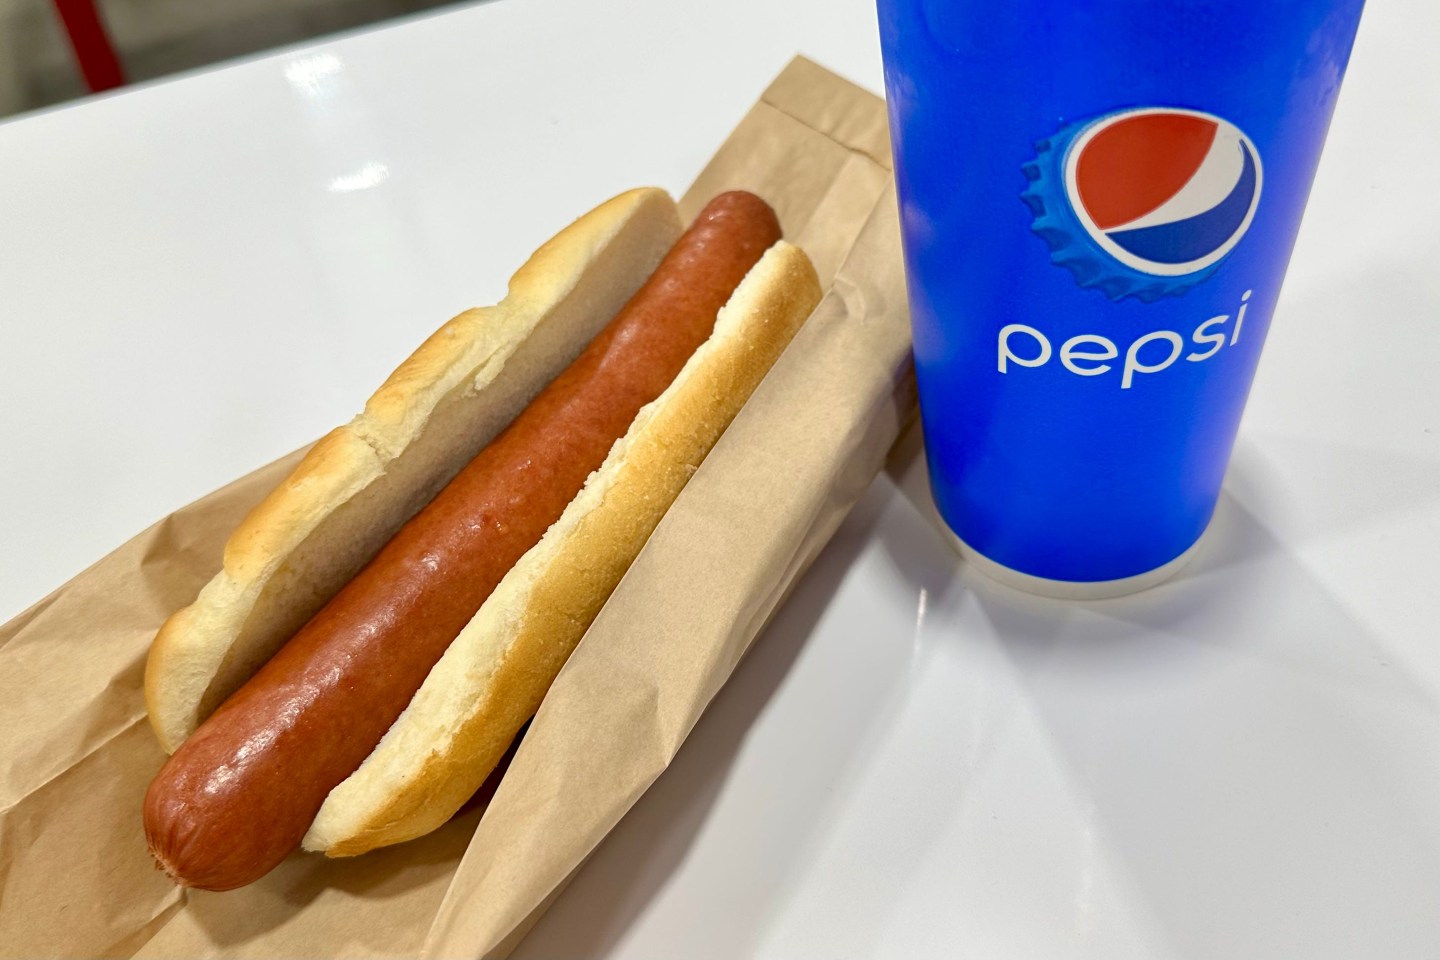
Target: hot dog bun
column 362, row 481
column 385, row 710
column 494, row 675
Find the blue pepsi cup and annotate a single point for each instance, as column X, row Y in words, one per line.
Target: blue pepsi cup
column 1098, row 203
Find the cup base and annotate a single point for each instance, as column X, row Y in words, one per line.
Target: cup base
column 1073, row 589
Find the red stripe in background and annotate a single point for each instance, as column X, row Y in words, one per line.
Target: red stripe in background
column 1133, row 166
column 91, row 44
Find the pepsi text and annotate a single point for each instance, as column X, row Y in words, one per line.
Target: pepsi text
column 1090, row 355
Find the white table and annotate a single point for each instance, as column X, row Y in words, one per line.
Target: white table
column 198, row 276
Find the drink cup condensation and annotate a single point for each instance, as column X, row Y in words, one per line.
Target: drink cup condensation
column 1098, row 203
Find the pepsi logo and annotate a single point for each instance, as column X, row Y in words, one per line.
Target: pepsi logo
column 1164, row 191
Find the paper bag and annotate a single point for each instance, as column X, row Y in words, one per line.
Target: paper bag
column 76, row 753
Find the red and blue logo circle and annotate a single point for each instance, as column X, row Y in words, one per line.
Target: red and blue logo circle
column 1144, row 202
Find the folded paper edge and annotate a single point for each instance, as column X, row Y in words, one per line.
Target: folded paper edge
column 839, row 115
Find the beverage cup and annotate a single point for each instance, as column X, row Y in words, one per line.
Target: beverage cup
column 1098, row 203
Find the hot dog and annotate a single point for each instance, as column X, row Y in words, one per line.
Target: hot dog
column 242, row 791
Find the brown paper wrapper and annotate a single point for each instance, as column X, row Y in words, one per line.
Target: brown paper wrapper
column 76, row 753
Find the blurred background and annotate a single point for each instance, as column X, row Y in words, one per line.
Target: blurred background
column 56, row 50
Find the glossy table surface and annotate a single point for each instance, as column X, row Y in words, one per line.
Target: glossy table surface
column 200, row 275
